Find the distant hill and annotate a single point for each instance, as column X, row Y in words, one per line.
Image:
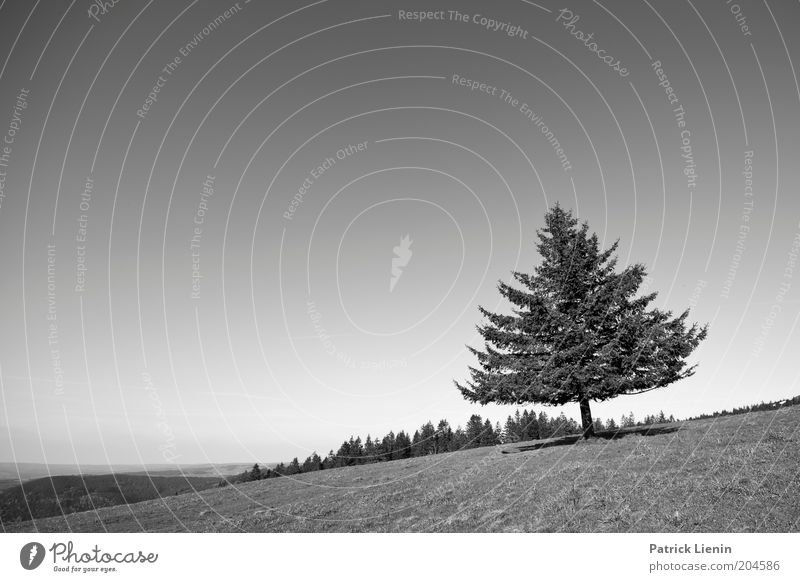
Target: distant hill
column 217, row 471
column 8, row 483
column 51, row 496
column 21, row 472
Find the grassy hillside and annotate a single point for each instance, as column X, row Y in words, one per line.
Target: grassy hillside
column 50, row 496
column 736, row 473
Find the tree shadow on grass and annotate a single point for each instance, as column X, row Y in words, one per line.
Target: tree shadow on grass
column 574, row 438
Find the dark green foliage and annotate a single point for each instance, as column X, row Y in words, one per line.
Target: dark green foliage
column 459, row 440
column 511, row 432
column 577, row 332
column 474, row 430
column 529, row 427
column 488, row 437
column 328, row 462
column 402, row 446
column 443, row 437
column 312, row 463
column 416, row 445
column 370, row 451
column 427, row 436
column 293, row 468
column 387, row 447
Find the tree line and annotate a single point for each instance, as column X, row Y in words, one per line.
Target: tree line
column 772, row 405
column 432, row 439
column 478, row 432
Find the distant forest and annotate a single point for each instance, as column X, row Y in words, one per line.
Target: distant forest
column 432, row 440
column 62, row 494
column 774, row 405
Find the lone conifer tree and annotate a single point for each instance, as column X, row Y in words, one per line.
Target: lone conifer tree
column 578, row 332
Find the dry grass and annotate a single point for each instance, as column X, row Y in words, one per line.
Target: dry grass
column 737, row 473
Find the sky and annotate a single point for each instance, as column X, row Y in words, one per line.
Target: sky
column 246, row 231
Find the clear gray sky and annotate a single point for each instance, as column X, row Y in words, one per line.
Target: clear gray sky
column 203, row 207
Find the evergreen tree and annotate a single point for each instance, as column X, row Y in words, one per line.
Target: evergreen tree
column 293, row 468
column 474, row 430
column 523, row 425
column 255, row 473
column 544, row 426
column 498, row 434
column 627, row 421
column 387, row 447
column 416, row 445
column 402, row 446
column 370, row 451
column 459, row 440
column 427, row 435
column 487, row 438
column 578, row 332
column 444, row 434
column 560, row 425
column 511, row 432
column 312, row 463
column 356, row 451
column 530, row 427
column 342, row 455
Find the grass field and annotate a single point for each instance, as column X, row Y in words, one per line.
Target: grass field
column 737, row 473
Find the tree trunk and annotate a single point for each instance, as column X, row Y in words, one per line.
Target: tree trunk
column 586, row 418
